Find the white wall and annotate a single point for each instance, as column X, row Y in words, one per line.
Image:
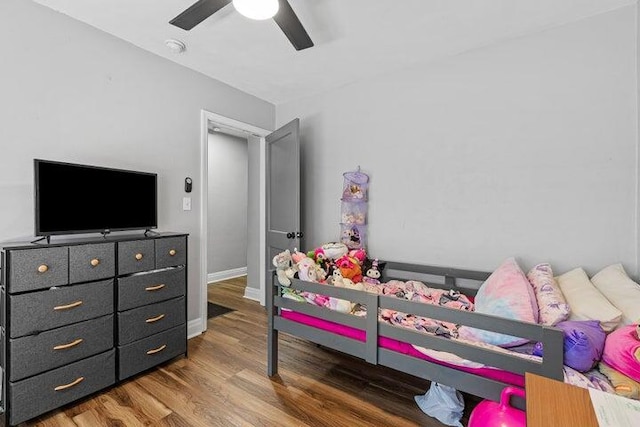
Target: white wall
column 524, row 148
column 227, row 210
column 70, row 92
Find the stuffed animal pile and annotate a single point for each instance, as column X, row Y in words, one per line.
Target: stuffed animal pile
column 332, row 264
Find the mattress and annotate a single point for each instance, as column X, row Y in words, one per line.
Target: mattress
column 399, row 347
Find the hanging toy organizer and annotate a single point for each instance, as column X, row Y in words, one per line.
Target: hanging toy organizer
column 353, row 225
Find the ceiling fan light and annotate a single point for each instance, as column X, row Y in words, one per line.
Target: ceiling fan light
column 257, row 9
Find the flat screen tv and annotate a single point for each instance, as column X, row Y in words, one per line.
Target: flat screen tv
column 72, row 198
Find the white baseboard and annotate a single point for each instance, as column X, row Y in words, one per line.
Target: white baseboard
column 252, row 293
column 194, row 328
column 226, row 274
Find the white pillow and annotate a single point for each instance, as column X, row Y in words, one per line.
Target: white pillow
column 620, row 290
column 586, row 301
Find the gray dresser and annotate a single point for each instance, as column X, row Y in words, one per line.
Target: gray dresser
column 79, row 315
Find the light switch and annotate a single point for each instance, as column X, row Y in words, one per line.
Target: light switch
column 186, row 203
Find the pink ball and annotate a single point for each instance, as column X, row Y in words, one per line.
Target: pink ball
column 493, row 414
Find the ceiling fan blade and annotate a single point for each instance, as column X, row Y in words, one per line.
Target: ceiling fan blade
column 291, row 26
column 198, row 12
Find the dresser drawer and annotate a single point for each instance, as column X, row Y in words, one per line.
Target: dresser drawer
column 37, row 395
column 38, row 353
column 136, row 256
column 91, row 262
column 148, row 352
column 45, row 310
column 38, row 269
column 148, row 288
column 150, row 319
column 171, row 252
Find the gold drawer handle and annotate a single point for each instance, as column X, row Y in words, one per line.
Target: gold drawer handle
column 69, row 345
column 43, row 268
column 95, row 262
column 139, row 256
column 68, row 306
column 172, row 252
column 154, row 319
column 157, row 350
column 71, row 384
column 155, row 288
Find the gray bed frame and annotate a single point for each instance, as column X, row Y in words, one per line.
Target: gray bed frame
column 466, row 281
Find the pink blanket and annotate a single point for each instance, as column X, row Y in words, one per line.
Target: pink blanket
column 400, row 347
column 622, row 351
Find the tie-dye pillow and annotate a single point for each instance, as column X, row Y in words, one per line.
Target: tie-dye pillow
column 506, row 293
column 552, row 306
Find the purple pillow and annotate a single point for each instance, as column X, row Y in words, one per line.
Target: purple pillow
column 583, row 343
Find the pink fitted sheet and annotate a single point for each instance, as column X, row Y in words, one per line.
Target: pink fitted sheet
column 400, row 347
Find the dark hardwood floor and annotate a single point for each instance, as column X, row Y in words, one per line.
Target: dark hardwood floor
column 224, row 383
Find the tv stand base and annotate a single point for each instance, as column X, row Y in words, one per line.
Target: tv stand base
column 48, row 238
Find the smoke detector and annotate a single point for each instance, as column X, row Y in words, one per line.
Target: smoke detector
column 176, row 46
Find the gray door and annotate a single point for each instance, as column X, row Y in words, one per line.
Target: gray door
column 283, row 191
column 283, row 213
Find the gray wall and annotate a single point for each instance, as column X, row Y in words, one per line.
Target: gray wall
column 525, row 148
column 70, row 92
column 227, row 210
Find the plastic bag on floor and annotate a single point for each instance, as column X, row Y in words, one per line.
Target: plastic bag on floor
column 443, row 403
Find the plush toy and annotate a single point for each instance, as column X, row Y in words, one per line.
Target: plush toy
column 298, row 256
column 318, row 255
column 292, row 294
column 353, row 191
column 350, row 268
column 359, row 254
column 333, row 274
column 285, row 269
column 327, row 265
column 307, row 269
column 333, row 250
column 351, row 237
column 353, row 218
column 339, row 304
column 321, row 273
column 349, row 284
column 373, row 272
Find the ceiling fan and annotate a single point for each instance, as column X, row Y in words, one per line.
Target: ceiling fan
column 285, row 17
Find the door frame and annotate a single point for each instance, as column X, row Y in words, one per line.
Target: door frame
column 206, row 117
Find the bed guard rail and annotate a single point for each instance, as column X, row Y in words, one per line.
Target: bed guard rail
column 551, row 338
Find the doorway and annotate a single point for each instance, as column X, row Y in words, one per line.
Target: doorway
column 228, row 228
column 213, row 124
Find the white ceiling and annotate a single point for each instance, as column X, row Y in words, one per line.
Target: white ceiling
column 354, row 39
